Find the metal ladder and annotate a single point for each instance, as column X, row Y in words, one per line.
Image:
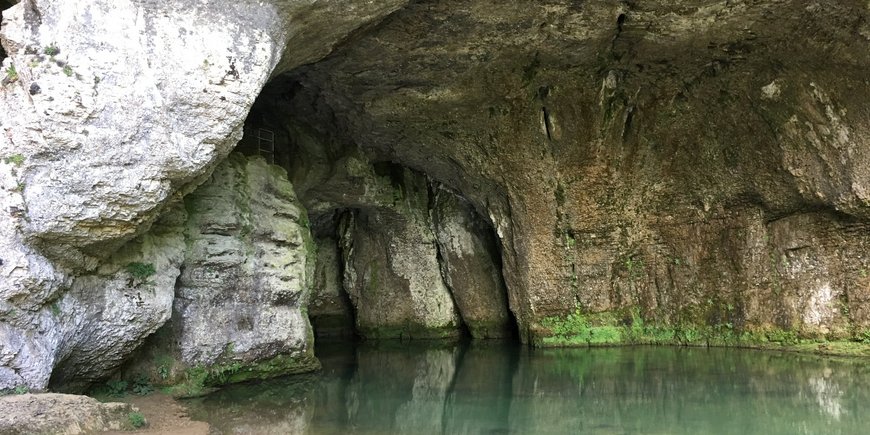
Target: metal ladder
column 266, row 144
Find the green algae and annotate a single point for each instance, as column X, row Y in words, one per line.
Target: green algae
column 627, row 327
column 200, row 380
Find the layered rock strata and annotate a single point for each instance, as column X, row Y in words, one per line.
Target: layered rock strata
column 699, row 167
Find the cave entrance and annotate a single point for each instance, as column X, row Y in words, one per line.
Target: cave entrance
column 380, row 276
column 399, row 255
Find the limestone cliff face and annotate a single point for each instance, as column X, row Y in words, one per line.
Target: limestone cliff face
column 691, row 165
column 82, row 332
column 118, row 106
column 111, row 111
column 247, row 270
column 392, row 274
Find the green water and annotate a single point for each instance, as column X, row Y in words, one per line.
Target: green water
column 505, row 389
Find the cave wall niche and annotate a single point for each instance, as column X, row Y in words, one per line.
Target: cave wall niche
column 5, row 4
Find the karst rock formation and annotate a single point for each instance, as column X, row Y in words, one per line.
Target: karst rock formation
column 188, row 186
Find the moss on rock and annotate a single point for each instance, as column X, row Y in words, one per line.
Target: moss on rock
column 627, row 327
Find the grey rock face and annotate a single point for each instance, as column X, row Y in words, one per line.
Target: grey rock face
column 139, row 100
column 108, row 314
column 247, row 271
column 391, row 269
column 330, row 309
column 467, row 252
column 61, row 414
column 244, row 247
column 85, row 331
column 631, row 155
column 394, row 223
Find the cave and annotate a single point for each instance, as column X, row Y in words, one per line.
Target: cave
column 367, row 216
column 200, row 196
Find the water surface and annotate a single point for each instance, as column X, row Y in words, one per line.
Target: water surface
column 499, row 388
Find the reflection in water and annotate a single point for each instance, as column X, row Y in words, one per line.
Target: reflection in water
column 498, row 388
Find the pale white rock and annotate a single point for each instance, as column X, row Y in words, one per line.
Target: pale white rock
column 139, row 99
column 248, row 269
column 83, row 334
column 118, row 109
column 771, row 91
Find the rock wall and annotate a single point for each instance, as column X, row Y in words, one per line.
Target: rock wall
column 128, row 103
column 330, row 310
column 391, row 268
column 633, row 167
column 247, row 271
column 105, row 316
column 239, row 310
column 392, row 276
column 417, row 261
column 632, row 164
column 471, row 266
column 111, row 111
column 86, row 328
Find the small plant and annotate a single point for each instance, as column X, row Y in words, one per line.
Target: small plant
column 142, row 385
column 55, row 308
column 116, row 388
column 783, row 337
column 68, row 70
column 21, row 389
column 570, row 241
column 11, row 74
column 136, row 419
column 163, row 372
column 223, row 374
column 141, row 271
column 51, row 50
